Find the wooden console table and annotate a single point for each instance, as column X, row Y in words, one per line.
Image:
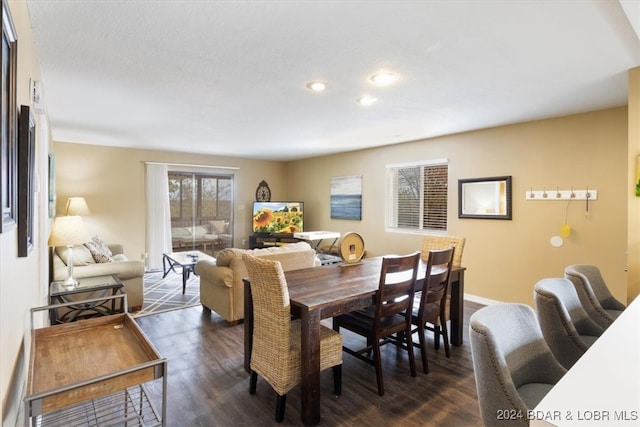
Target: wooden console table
column 92, row 372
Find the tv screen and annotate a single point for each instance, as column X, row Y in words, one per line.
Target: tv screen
column 278, row 217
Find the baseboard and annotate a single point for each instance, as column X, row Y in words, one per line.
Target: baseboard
column 481, row 300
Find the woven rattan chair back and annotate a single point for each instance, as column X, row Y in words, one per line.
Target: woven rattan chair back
column 429, row 305
column 389, row 315
column 430, row 242
column 276, row 338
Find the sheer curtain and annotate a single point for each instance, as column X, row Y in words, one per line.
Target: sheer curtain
column 158, row 214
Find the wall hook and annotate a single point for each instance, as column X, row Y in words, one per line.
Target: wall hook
column 558, row 195
column 544, row 193
column 532, row 194
column 573, row 195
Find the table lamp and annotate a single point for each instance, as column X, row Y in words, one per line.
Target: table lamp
column 76, row 206
column 68, row 231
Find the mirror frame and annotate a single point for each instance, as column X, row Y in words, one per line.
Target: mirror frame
column 462, row 187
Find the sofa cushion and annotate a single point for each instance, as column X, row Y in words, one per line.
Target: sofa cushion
column 225, row 256
column 81, row 255
column 119, row 258
column 178, row 232
column 99, row 250
column 219, row 227
column 200, row 230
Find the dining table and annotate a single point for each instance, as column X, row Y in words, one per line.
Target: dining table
column 323, row 292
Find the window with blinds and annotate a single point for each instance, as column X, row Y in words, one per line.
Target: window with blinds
column 417, row 196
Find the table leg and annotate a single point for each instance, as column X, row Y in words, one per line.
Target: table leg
column 165, row 270
column 310, row 361
column 185, row 276
column 457, row 308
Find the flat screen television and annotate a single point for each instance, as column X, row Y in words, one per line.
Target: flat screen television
column 278, row 217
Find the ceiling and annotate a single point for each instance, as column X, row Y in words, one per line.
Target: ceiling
column 228, row 77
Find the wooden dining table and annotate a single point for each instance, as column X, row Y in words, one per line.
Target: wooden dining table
column 322, row 292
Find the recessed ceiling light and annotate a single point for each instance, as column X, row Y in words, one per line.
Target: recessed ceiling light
column 317, row 86
column 383, row 78
column 367, row 100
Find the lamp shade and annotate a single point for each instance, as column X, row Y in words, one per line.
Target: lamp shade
column 76, row 206
column 68, row 231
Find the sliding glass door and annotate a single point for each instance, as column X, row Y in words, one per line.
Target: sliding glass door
column 201, row 211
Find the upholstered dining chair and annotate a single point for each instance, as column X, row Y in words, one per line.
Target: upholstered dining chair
column 565, row 325
column 429, row 304
column 435, row 242
column 390, row 314
column 513, row 365
column 276, row 338
column 594, row 294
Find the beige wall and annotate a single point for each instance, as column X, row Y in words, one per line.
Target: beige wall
column 633, row 216
column 504, row 258
column 23, row 280
column 112, row 181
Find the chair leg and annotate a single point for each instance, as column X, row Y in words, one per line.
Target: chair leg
column 445, row 335
column 436, row 337
column 253, row 381
column 337, row 380
column 280, row 404
column 378, row 365
column 412, row 357
column 423, row 348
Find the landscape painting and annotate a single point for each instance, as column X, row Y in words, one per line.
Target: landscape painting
column 346, row 197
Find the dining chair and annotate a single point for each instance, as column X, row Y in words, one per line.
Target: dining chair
column 429, row 304
column 276, row 337
column 514, row 367
column 565, row 324
column 389, row 314
column 436, row 242
column 594, row 294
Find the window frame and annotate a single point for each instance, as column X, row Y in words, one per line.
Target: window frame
column 392, row 198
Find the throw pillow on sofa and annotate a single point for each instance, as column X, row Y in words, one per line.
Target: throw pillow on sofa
column 99, row 250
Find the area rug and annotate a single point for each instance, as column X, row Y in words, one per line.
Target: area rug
column 165, row 294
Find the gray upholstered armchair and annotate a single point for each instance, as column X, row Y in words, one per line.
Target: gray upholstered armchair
column 594, row 294
column 565, row 325
column 513, row 365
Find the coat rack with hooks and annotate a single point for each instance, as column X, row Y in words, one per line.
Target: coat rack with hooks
column 557, row 194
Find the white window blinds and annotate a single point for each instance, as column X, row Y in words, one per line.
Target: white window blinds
column 417, row 196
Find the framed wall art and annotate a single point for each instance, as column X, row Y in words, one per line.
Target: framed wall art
column 52, row 185
column 26, row 172
column 8, row 113
column 346, row 197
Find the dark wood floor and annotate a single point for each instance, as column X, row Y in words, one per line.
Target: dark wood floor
column 207, row 385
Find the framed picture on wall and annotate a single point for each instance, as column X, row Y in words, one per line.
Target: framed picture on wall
column 26, row 172
column 346, row 197
column 8, row 127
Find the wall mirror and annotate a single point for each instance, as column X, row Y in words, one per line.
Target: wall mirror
column 488, row 198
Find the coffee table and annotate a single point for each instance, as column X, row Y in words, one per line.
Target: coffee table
column 184, row 260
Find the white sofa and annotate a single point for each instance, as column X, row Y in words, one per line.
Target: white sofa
column 221, row 286
column 214, row 234
column 84, row 265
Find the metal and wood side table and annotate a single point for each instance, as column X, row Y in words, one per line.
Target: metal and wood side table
column 87, row 288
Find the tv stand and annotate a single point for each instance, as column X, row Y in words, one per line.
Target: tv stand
column 269, row 241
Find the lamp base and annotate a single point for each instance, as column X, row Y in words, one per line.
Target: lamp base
column 70, row 282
